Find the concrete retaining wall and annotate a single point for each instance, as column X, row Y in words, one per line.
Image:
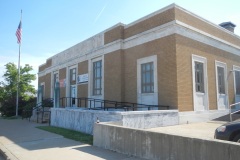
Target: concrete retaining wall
column 153, row 145
column 83, row 120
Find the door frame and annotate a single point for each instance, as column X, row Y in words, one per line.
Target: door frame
column 224, row 66
column 75, row 86
column 196, row 58
column 235, row 68
column 68, row 84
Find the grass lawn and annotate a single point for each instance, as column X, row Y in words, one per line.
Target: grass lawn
column 74, row 135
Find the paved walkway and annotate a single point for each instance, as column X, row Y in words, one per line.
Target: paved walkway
column 20, row 140
column 204, row 130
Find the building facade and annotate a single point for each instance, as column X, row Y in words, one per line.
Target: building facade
column 170, row 57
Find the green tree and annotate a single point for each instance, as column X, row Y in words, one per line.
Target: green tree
column 8, row 88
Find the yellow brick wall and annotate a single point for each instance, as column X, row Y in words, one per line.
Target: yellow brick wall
column 185, row 48
column 62, row 75
column 114, row 34
column 152, row 22
column 82, row 88
column 46, row 79
column 46, row 65
column 48, row 85
column 205, row 27
column 164, row 48
column 113, row 79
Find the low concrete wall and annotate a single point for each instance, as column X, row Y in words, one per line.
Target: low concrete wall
column 153, row 145
column 83, row 120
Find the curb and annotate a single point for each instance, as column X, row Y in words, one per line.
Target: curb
column 6, row 153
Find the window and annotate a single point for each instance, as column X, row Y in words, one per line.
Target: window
column 97, row 78
column 199, row 80
column 147, row 78
column 221, row 81
column 73, row 75
column 237, row 82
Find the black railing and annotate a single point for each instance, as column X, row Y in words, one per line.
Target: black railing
column 99, row 104
column 39, row 108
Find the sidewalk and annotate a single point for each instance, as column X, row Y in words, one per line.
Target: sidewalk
column 20, row 140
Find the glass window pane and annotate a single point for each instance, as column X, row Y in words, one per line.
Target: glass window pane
column 97, row 77
column 199, row 77
column 147, row 80
column 221, row 81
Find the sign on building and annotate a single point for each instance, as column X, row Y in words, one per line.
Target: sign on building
column 83, row 78
column 62, row 83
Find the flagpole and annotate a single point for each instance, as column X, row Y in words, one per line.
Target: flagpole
column 18, row 79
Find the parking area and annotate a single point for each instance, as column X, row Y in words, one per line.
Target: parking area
column 195, row 130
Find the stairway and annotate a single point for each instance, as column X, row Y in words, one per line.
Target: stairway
column 41, row 116
column 40, row 113
column 235, row 117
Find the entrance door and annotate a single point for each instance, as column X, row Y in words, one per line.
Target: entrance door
column 221, row 85
column 237, row 85
column 73, row 96
column 200, row 92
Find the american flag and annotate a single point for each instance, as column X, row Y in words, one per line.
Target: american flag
column 19, row 33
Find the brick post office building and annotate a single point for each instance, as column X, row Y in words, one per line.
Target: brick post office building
column 170, row 57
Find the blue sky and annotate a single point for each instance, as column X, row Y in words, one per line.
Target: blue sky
column 51, row 26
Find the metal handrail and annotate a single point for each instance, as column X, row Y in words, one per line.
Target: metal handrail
column 230, row 110
column 90, row 103
column 39, row 107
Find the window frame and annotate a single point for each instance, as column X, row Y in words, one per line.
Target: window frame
column 97, row 79
column 145, row 85
column 221, row 80
column 73, row 75
column 140, row 61
column 199, row 77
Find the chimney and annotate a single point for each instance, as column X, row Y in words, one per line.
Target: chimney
column 228, row 25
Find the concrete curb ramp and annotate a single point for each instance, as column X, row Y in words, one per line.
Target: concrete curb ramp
column 155, row 146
